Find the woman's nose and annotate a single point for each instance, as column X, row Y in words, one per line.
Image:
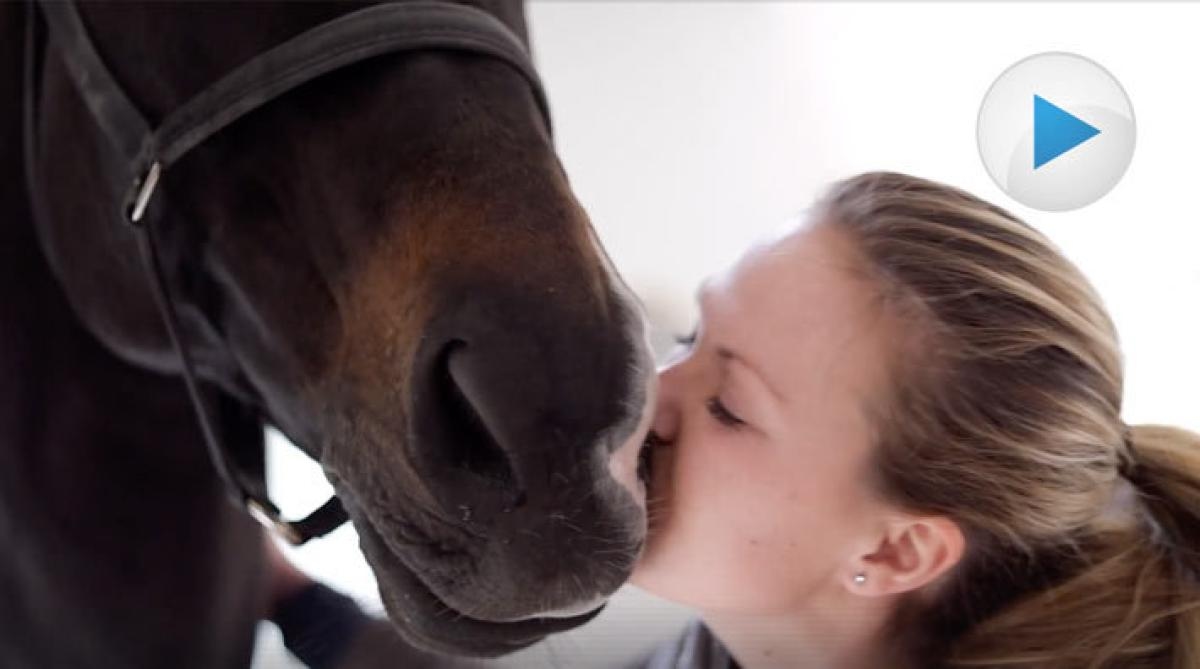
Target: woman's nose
column 666, row 411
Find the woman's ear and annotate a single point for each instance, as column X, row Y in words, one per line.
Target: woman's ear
column 913, row 552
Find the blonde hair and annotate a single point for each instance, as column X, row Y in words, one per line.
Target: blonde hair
column 1004, row 414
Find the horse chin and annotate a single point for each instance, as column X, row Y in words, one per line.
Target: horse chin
column 427, row 621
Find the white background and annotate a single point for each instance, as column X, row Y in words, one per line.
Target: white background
column 688, row 129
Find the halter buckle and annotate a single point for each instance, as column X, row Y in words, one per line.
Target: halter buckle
column 145, row 185
column 269, row 518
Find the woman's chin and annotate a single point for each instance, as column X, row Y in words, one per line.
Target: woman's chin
column 658, row 482
column 653, row 577
column 649, row 564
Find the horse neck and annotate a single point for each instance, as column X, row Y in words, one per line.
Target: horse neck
column 101, row 468
column 42, row 335
column 51, row 366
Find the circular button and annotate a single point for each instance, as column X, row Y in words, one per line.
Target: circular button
column 1056, row 131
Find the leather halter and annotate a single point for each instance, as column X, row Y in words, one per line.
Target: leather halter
column 143, row 152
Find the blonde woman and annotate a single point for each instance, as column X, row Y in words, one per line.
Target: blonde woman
column 895, row 440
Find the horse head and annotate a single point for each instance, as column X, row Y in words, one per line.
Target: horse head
column 388, row 264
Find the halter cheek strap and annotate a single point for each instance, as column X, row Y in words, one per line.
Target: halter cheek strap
column 143, row 153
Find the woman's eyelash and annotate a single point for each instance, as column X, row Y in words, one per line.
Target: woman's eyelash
column 716, row 408
column 722, row 414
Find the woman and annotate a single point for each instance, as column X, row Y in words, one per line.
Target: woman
column 895, row 440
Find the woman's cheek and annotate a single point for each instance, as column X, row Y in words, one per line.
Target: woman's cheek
column 701, row 463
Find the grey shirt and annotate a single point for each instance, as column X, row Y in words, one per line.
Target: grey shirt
column 695, row 648
column 378, row 647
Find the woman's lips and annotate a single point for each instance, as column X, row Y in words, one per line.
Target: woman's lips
column 645, row 464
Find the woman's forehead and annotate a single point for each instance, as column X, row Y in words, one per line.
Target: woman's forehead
column 811, row 276
column 801, row 306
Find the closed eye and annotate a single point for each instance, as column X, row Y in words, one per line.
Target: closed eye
column 722, row 414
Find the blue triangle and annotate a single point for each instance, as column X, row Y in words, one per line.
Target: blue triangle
column 1056, row 131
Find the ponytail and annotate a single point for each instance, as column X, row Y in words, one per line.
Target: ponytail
column 1132, row 597
column 1166, row 474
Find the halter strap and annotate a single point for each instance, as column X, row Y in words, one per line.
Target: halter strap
column 421, row 25
column 145, row 152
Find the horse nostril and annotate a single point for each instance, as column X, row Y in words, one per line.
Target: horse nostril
column 472, row 444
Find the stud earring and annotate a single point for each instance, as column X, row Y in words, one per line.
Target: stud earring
column 860, row 578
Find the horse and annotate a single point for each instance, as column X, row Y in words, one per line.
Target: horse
column 385, row 263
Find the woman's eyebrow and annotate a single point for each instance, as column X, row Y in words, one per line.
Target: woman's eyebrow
column 728, row 355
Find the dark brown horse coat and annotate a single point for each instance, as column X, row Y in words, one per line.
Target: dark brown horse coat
column 388, row 265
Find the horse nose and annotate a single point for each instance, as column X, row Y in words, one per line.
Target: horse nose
column 526, row 417
column 476, row 392
column 518, row 399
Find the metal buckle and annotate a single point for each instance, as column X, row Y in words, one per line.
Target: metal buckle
column 269, row 518
column 145, row 186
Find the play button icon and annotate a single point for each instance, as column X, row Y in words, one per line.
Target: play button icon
column 1056, row 131
column 1074, row 146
